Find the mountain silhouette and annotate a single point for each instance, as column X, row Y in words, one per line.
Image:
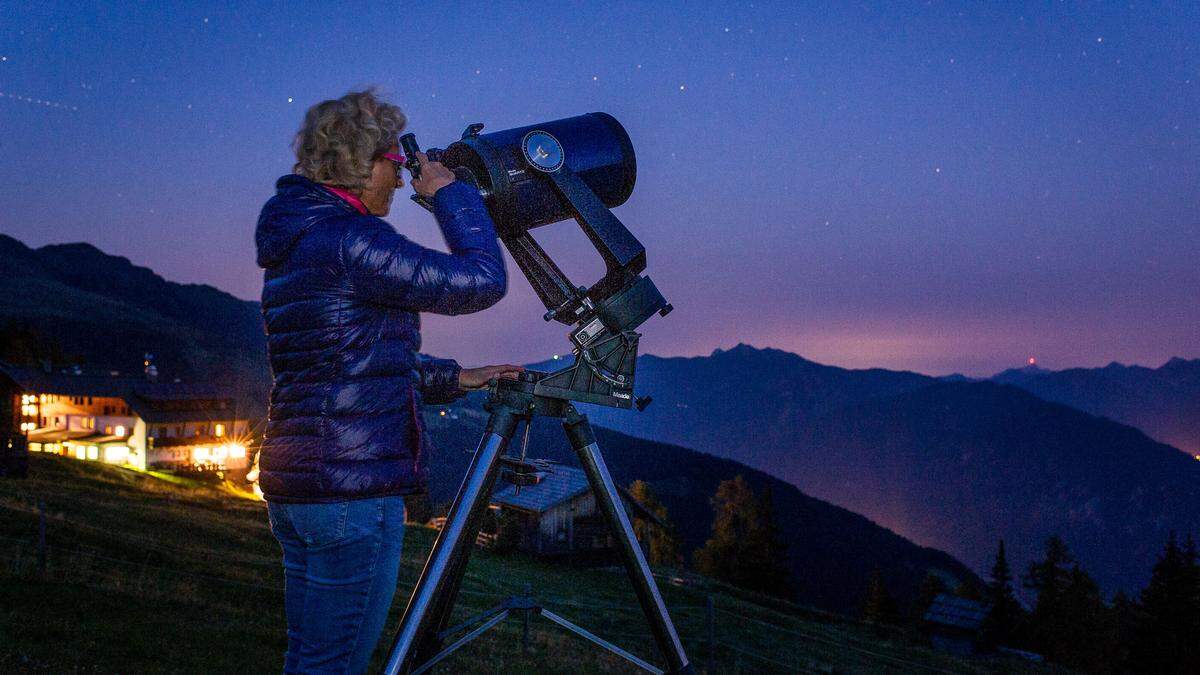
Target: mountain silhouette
column 955, row 465
column 74, row 303
column 1164, row 402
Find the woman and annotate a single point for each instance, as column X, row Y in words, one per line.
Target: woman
column 342, row 292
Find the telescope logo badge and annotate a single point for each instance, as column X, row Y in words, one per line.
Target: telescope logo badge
column 542, row 151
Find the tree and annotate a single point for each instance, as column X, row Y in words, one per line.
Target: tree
column 879, row 607
column 744, row 548
column 931, row 586
column 1165, row 639
column 508, row 532
column 1005, row 614
column 659, row 538
column 22, row 343
column 1070, row 623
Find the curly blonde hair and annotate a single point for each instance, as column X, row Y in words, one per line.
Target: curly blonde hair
column 341, row 138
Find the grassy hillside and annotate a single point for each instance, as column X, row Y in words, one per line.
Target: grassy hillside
column 148, row 575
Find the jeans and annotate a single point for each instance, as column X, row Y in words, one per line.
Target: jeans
column 340, row 563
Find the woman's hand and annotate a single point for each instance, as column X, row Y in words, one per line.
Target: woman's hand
column 434, row 177
column 477, row 378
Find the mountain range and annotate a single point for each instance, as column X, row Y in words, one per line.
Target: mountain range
column 951, row 464
column 1164, row 402
column 954, row 465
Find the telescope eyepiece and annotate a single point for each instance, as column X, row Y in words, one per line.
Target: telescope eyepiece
column 408, row 144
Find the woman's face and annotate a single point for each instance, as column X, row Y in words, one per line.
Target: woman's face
column 378, row 192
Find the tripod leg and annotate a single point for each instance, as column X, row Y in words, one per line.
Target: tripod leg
column 579, row 431
column 452, row 547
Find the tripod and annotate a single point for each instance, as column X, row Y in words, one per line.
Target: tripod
column 418, row 645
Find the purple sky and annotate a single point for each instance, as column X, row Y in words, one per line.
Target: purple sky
column 944, row 188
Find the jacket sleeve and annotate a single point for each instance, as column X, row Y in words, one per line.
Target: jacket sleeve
column 388, row 269
column 439, row 379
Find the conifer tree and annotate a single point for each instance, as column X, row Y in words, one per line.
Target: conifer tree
column 879, row 607
column 1167, row 635
column 744, row 548
column 767, row 553
column 659, row 538
column 931, row 586
column 1070, row 623
column 1005, row 612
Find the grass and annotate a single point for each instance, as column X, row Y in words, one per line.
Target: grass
column 147, row 575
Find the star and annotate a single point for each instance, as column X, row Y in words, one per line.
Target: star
column 681, row 87
column 289, row 100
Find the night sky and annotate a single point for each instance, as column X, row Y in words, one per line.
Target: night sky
column 944, row 187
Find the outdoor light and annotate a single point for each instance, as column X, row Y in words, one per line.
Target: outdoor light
column 116, row 454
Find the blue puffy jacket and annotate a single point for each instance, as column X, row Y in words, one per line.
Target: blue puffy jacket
column 341, row 296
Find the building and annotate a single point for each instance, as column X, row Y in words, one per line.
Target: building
column 954, row 624
column 557, row 515
column 134, row 421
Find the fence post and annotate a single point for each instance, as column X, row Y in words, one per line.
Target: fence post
column 710, row 623
column 525, row 622
column 41, row 546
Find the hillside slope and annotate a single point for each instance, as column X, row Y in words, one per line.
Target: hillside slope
column 146, row 576
column 959, row 465
column 80, row 304
column 832, row 551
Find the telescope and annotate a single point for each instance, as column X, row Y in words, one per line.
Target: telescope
column 574, row 168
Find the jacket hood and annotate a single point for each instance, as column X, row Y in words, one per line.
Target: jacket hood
column 298, row 204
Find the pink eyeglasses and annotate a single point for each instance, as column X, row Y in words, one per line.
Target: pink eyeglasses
column 398, row 161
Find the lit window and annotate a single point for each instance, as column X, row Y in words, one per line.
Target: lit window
column 93, row 452
column 116, row 454
column 108, row 430
column 119, row 431
column 80, row 452
column 237, row 451
column 219, row 430
column 200, row 455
